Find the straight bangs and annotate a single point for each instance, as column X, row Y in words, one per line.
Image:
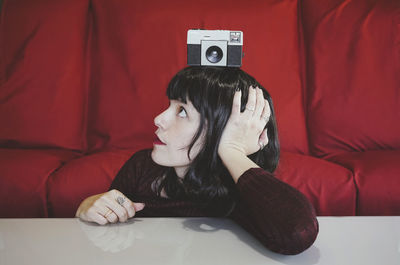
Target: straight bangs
column 205, row 87
column 183, row 87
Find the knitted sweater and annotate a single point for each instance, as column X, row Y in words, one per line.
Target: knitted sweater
column 278, row 215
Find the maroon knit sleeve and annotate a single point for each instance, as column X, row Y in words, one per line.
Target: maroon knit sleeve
column 275, row 213
column 126, row 179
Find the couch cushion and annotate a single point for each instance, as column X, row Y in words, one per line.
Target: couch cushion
column 81, row 178
column 23, row 180
column 140, row 45
column 43, row 74
column 354, row 80
column 328, row 186
column 377, row 176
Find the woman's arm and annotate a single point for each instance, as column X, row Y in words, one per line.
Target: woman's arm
column 244, row 133
column 104, row 208
column 237, row 163
column 277, row 214
column 115, row 205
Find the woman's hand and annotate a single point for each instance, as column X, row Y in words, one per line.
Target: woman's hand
column 244, row 131
column 108, row 207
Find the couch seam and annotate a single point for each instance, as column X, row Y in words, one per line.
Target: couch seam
column 303, row 55
column 50, row 177
column 3, row 5
column 88, row 74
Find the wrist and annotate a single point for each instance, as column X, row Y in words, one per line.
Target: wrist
column 231, row 155
column 236, row 162
column 231, row 150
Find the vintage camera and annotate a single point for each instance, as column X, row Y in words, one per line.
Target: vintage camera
column 214, row 47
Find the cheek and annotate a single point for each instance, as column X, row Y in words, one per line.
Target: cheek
column 181, row 137
column 197, row 146
column 180, row 148
column 175, row 152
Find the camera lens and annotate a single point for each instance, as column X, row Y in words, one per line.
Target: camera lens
column 214, row 54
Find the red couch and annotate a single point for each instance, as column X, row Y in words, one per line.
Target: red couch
column 82, row 80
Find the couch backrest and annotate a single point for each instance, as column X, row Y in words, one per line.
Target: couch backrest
column 88, row 75
column 43, row 73
column 140, row 45
column 353, row 68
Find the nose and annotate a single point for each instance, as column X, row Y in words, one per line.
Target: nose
column 159, row 120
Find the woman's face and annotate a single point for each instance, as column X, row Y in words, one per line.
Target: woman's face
column 177, row 126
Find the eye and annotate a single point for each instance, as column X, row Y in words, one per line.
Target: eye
column 182, row 112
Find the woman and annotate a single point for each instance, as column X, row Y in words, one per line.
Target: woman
column 214, row 152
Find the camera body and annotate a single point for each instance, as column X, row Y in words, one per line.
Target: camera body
column 214, row 47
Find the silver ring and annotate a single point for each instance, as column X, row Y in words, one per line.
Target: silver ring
column 120, row 200
column 108, row 213
column 249, row 109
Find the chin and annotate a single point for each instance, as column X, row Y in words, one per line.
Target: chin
column 159, row 158
column 164, row 159
column 154, row 157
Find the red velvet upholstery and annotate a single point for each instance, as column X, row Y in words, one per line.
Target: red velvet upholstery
column 328, row 186
column 353, row 77
column 24, row 180
column 69, row 185
column 354, row 70
column 44, row 74
column 82, row 80
column 143, row 44
column 371, row 169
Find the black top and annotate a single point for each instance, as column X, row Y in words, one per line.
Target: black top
column 278, row 215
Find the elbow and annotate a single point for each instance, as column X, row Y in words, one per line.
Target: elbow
column 299, row 238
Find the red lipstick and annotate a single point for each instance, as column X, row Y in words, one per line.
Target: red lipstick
column 158, row 141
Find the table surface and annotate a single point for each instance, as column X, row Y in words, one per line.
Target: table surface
column 341, row 241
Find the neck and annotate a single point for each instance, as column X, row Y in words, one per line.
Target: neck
column 180, row 171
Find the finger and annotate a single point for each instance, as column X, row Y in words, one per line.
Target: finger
column 129, row 207
column 92, row 215
column 125, row 203
column 98, row 218
column 107, row 213
column 138, row 206
column 118, row 199
column 259, row 102
column 132, row 207
column 266, row 114
column 111, row 216
column 236, row 102
column 251, row 101
column 120, row 211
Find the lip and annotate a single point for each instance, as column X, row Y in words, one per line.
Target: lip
column 158, row 141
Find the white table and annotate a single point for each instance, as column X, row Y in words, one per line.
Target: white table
column 341, row 241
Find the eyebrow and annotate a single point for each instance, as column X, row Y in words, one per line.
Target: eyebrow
column 181, row 102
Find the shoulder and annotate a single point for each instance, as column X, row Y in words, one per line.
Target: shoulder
column 141, row 155
column 142, row 160
column 136, row 174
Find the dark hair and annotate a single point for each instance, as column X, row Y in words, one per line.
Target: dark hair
column 211, row 91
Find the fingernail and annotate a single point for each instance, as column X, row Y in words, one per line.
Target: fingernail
column 139, row 206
